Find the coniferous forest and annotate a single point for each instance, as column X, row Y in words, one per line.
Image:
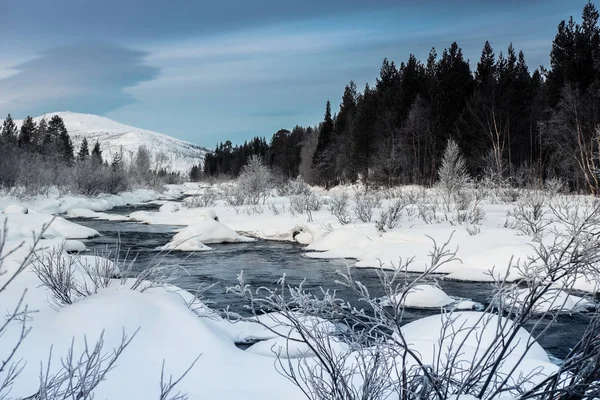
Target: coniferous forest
column 513, row 122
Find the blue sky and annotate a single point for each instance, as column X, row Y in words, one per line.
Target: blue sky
column 232, row 69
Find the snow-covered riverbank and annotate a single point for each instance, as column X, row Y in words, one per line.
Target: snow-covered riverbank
column 176, row 328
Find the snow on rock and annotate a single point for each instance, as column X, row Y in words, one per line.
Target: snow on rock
column 182, row 216
column 477, row 330
column 24, row 225
column 16, row 209
column 422, row 296
column 74, row 246
column 284, row 340
column 87, row 213
column 190, row 244
column 208, row 231
column 553, row 300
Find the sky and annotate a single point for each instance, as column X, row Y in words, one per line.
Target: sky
column 210, row 71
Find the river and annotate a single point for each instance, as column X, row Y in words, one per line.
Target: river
column 265, row 262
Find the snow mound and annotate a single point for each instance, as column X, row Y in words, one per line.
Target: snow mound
column 422, row 296
column 87, row 213
column 477, row 330
column 16, row 209
column 112, row 312
column 208, row 231
column 22, row 226
column 553, row 300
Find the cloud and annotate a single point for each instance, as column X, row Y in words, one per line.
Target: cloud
column 82, row 78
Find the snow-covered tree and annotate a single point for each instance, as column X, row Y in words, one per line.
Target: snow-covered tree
column 84, row 150
column 255, row 180
column 453, row 171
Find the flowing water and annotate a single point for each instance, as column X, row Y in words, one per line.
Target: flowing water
column 265, row 262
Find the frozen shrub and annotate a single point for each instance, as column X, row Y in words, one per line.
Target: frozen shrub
column 255, row 180
column 274, row 209
column 529, row 216
column 305, row 203
column 555, row 186
column 294, row 187
column 207, row 199
column 340, row 208
column 234, row 196
column 366, row 203
column 390, row 218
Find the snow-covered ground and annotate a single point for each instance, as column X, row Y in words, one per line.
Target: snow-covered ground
column 173, row 328
column 114, row 137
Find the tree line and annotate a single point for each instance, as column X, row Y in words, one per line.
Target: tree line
column 510, row 123
column 38, row 157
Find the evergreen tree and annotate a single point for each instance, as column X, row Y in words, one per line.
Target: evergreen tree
column 323, row 159
column 28, row 132
column 117, row 163
column 84, row 151
column 41, row 140
column 97, row 154
column 9, row 131
column 66, row 149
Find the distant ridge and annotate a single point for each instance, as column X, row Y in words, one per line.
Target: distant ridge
column 114, row 136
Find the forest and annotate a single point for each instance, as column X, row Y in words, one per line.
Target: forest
column 514, row 124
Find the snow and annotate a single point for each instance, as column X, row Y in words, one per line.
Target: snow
column 207, row 232
column 222, row 370
column 15, row 209
column 422, row 296
column 553, row 300
column 115, row 137
column 172, row 332
column 87, row 213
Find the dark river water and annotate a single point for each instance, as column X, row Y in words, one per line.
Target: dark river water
column 264, row 263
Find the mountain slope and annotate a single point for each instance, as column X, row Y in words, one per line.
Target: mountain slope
column 179, row 155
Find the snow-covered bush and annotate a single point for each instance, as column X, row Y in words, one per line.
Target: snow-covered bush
column 305, row 203
column 555, row 186
column 234, row 195
column 295, row 187
column 390, row 218
column 339, row 207
column 207, row 199
column 255, row 181
column 529, row 216
column 365, row 204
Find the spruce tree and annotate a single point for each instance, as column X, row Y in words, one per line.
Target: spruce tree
column 324, row 160
column 117, row 163
column 97, row 153
column 84, row 151
column 28, row 131
column 41, row 141
column 65, row 148
column 9, row 130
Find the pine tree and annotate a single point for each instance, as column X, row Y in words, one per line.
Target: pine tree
column 66, row 148
column 41, row 140
column 117, row 163
column 486, row 68
column 84, row 151
column 97, row 154
column 324, row 160
column 9, row 130
column 28, row 131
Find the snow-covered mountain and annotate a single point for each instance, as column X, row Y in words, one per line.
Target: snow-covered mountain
column 114, row 137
